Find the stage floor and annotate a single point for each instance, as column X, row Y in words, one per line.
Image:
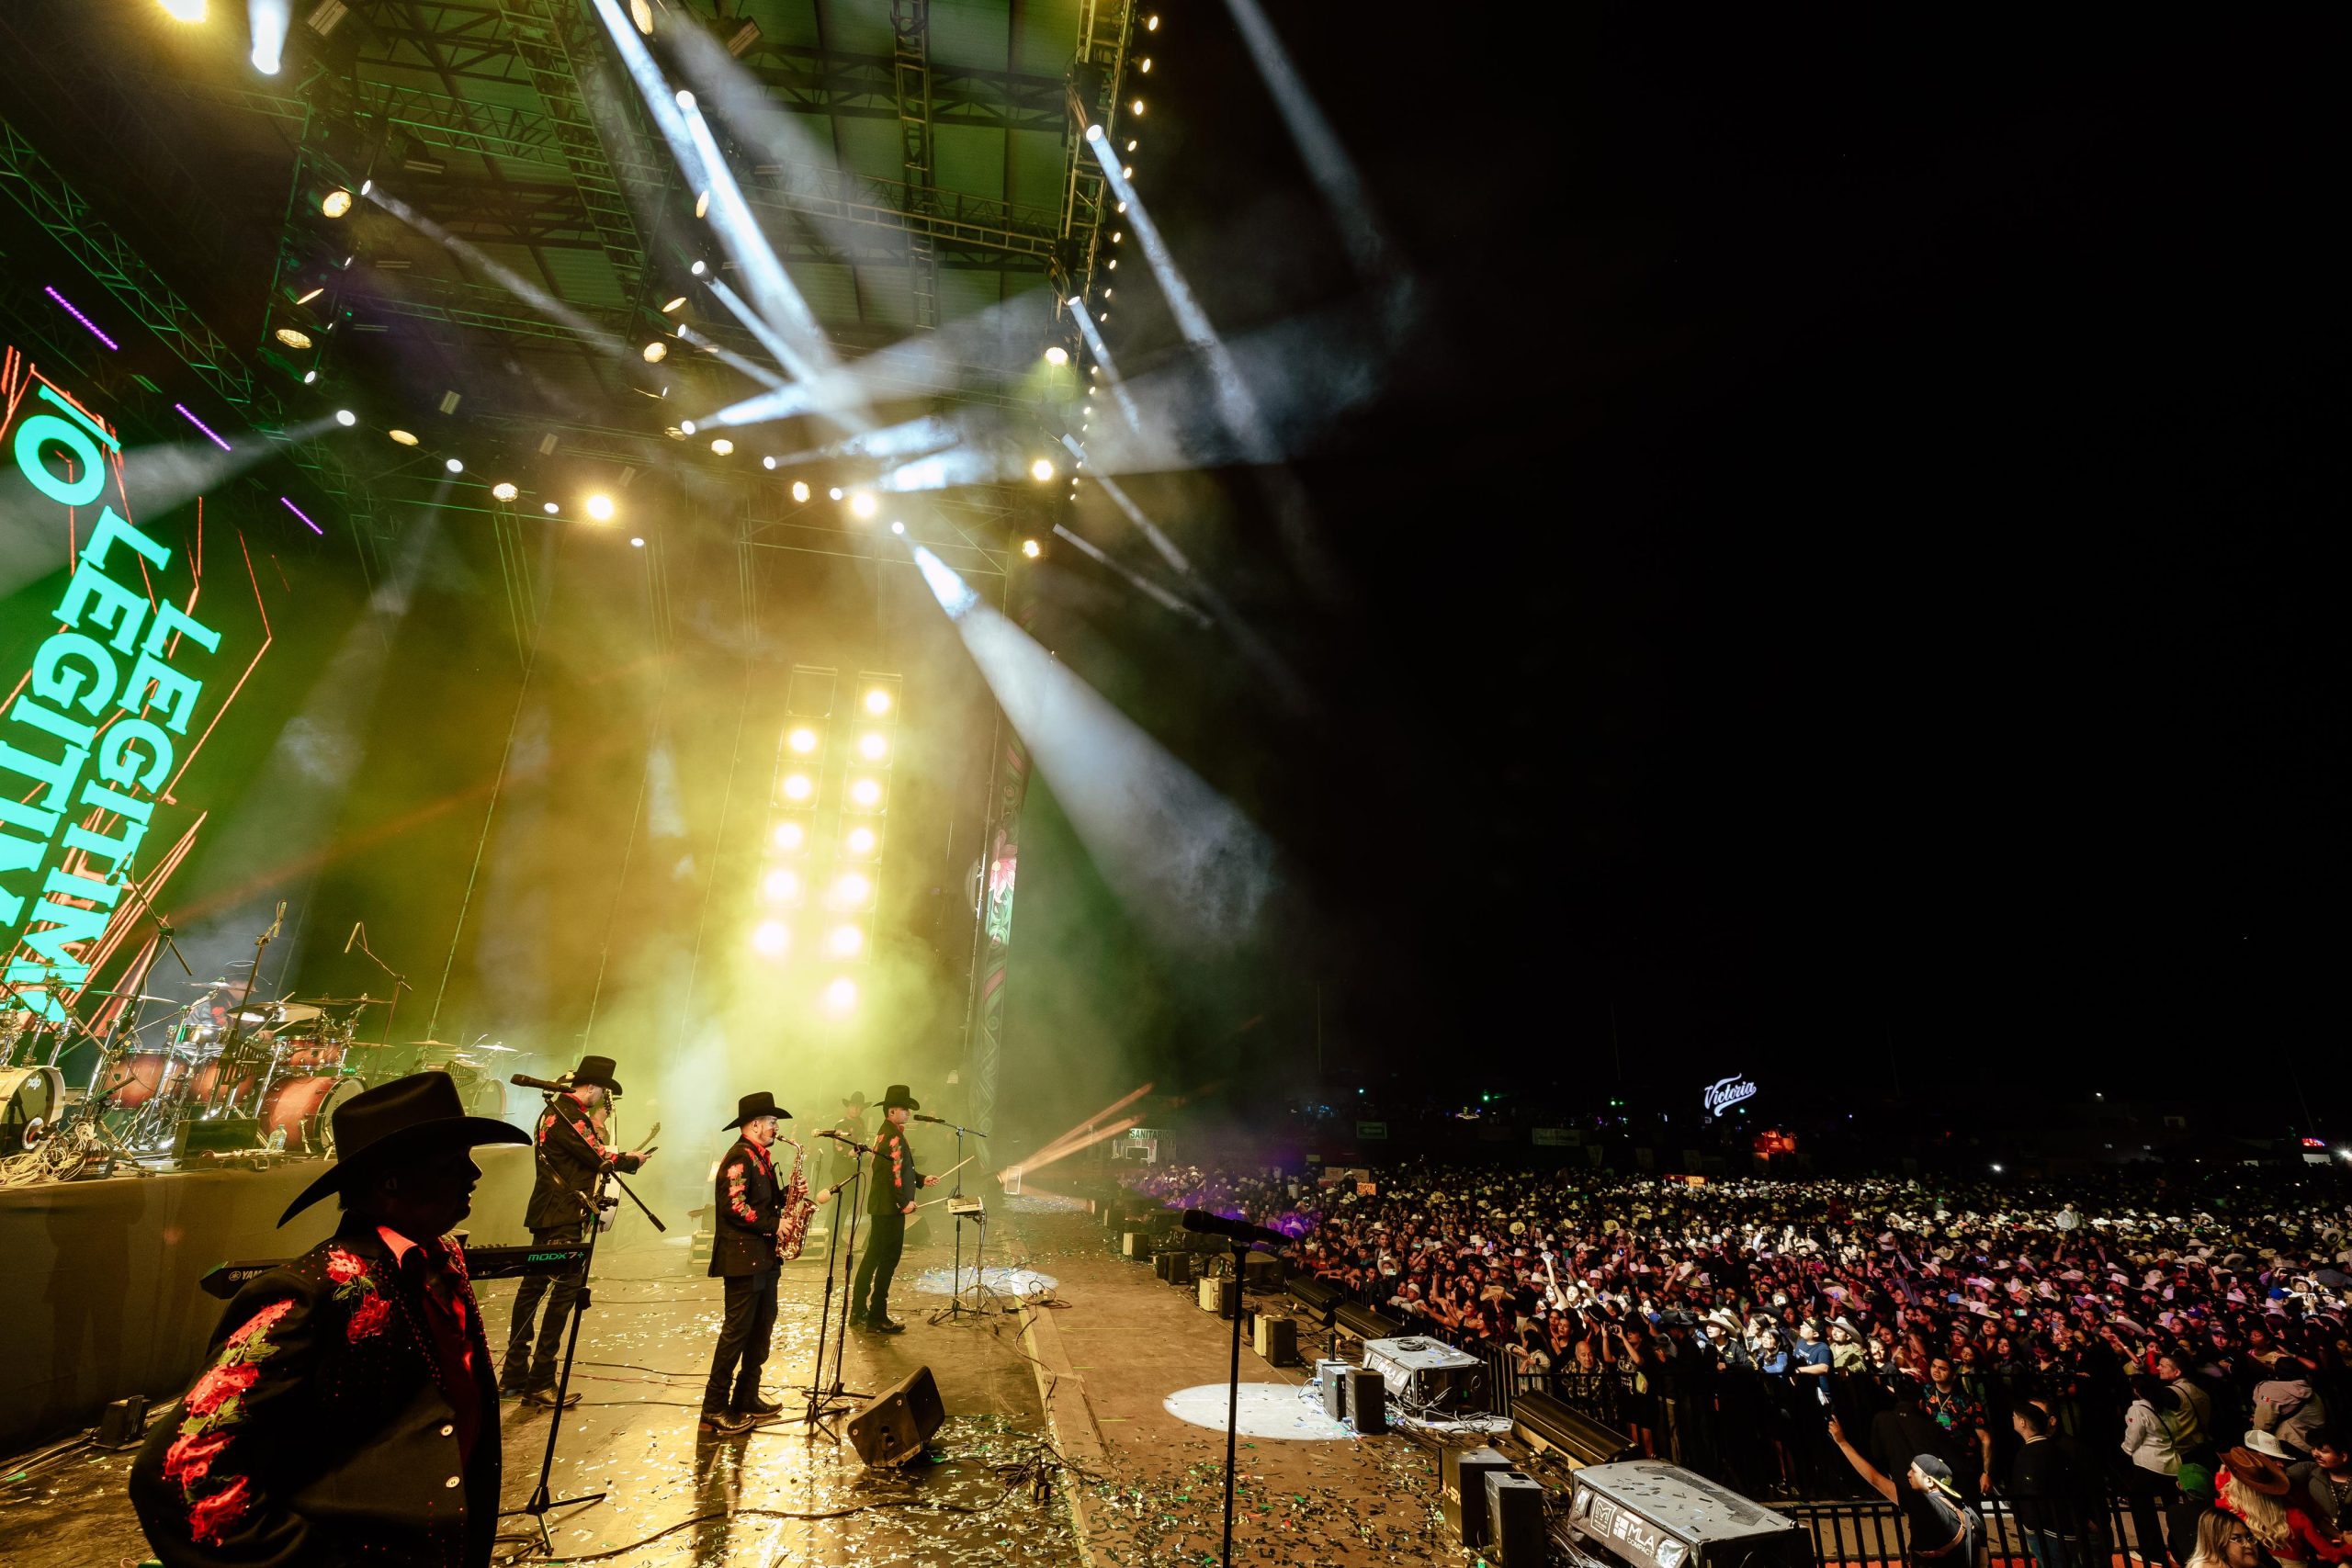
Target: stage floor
column 643, row 1352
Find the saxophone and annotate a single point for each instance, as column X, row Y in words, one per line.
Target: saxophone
column 793, row 1228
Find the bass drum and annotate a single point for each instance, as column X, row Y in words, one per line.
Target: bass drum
column 137, row 1079
column 30, row 1101
column 303, row 1109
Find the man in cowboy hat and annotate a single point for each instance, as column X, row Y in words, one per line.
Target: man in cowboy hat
column 347, row 1413
column 890, row 1198
column 750, row 1206
column 852, row 1126
column 571, row 1160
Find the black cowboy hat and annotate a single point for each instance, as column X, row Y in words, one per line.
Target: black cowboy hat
column 418, row 1114
column 855, row 1099
column 753, row 1106
column 598, row 1070
column 899, row 1094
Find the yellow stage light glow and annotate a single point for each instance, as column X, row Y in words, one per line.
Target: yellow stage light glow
column 1042, row 471
column 781, row 884
column 878, row 701
column 600, row 507
column 798, row 786
column 800, row 489
column 184, row 10
column 1151, row 24
column 861, row 841
column 656, row 352
column 673, row 304
column 771, row 937
column 866, row 793
column 1057, row 356
column 403, row 436
column 723, row 447
column 863, row 504
column 842, row 942
column 641, row 13
column 851, row 889
column 1137, row 107
column 841, row 994
column 872, row 747
column 336, row 203
column 1030, row 547
column 504, row 491
column 293, row 337
column 789, row 836
column 802, row 739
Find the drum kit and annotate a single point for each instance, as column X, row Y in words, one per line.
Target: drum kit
column 225, row 1058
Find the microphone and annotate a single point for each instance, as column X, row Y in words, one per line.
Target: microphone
column 352, row 937
column 935, row 1121
column 544, row 1085
column 1201, row 1220
column 277, row 919
column 839, row 1138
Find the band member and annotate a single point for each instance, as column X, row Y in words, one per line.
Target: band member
column 852, row 1126
column 572, row 1156
column 890, row 1200
column 347, row 1414
column 743, row 1251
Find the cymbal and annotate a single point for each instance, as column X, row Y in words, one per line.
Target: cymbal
column 363, row 999
column 431, row 1044
column 501, row 1050
column 122, row 996
column 294, row 1012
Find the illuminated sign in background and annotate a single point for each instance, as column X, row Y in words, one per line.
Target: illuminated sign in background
column 116, row 665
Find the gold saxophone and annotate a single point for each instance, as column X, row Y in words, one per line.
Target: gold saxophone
column 793, row 1229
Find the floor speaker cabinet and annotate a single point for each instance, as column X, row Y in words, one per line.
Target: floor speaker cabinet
column 1276, row 1339
column 896, row 1423
column 1261, row 1271
column 1515, row 1519
column 1221, row 1296
column 1136, row 1244
column 1332, row 1378
column 1463, row 1476
column 1181, row 1270
column 1367, row 1402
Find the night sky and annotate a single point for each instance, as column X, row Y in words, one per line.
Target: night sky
column 1840, row 578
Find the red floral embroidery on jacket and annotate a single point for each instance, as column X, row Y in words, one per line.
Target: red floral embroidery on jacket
column 343, row 1267
column 218, row 1386
column 188, row 1459
column 367, row 1319
column 735, row 1198
column 209, row 1409
column 211, row 1517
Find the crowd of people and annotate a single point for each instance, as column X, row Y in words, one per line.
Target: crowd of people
column 2175, row 1346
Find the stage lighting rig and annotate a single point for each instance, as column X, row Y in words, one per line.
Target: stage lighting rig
column 600, row 507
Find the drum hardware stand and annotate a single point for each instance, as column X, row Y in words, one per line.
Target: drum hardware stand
column 541, row 1504
column 829, row 1404
column 400, row 981
column 229, row 1047
column 955, row 1307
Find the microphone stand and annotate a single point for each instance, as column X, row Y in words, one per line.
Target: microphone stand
column 955, row 1307
column 1233, row 1398
column 400, row 984
column 541, row 1504
column 826, row 1405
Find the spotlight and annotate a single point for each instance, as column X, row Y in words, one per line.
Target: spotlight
column 861, row 841
column 872, row 747
column 862, row 505
column 306, row 299
column 365, row 185
column 1116, row 236
column 636, row 544
column 841, row 994
column 1042, row 471
column 843, row 942
column 336, row 203
column 781, row 886
column 798, row 786
column 550, row 509
column 1113, row 266
column 504, row 491
column 600, row 507
column 699, row 268
column 1136, row 108
column 673, row 304
column 686, row 427
column 266, row 60
column 802, row 739
column 309, row 376
column 835, row 492
column 656, row 352
column 800, row 489
column 1057, row 356
column 1144, row 66
column 852, row 888
column 184, row 10
column 641, row 13
column 293, row 337
column 1131, row 147
column 1029, row 548
column 898, row 527
column 346, row 418
column 454, row 465
column 1151, row 24
column 878, row 701
column 866, row 793
column 403, row 436
column 723, row 447
column 770, row 938
column 790, row 835
column 767, row 462
column 1094, row 133
column 702, row 199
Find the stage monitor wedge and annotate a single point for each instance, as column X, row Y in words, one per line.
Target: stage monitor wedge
column 898, row 1422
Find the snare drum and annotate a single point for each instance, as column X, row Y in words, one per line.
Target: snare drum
column 303, row 1109
column 31, row 1099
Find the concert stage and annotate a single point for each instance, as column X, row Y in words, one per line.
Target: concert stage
column 99, row 1290
column 644, row 1349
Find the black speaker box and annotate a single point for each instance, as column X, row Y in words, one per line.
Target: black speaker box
column 1515, row 1518
column 1275, row 1338
column 1333, row 1375
column 1221, row 1296
column 229, row 1135
column 1180, row 1270
column 896, row 1423
column 1464, row 1499
column 1367, row 1402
